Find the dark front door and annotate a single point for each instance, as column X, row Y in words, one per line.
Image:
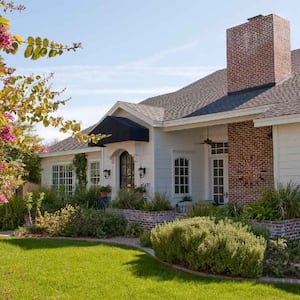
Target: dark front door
column 126, row 171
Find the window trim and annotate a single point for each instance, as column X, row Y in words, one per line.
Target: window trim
column 63, row 164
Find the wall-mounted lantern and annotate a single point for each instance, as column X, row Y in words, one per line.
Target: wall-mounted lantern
column 106, row 173
column 142, row 172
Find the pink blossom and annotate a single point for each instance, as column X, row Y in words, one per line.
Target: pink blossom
column 6, row 134
column 5, row 39
column 45, row 150
column 8, row 116
column 2, row 168
column 3, row 199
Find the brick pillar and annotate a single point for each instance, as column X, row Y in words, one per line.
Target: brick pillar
column 250, row 161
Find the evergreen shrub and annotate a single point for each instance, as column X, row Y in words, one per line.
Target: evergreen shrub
column 207, row 245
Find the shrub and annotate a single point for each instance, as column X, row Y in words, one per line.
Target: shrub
column 204, row 244
column 202, row 209
column 145, row 239
column 280, row 204
column 70, row 221
column 133, row 230
column 12, row 214
column 128, row 199
column 160, row 202
column 86, row 198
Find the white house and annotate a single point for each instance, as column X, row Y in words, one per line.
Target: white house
column 221, row 138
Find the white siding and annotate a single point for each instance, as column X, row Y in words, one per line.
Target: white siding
column 287, row 153
column 48, row 162
column 189, row 143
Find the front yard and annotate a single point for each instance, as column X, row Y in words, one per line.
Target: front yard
column 64, row 269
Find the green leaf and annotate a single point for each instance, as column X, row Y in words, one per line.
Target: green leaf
column 15, row 46
column 18, row 39
column 45, row 43
column 52, row 53
column 30, row 40
column 36, row 53
column 38, row 41
column 43, row 52
column 46, row 122
column 29, row 50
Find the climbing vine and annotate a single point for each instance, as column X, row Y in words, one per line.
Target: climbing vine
column 80, row 164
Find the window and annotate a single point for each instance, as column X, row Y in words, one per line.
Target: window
column 62, row 179
column 219, row 148
column 95, row 173
column 181, row 179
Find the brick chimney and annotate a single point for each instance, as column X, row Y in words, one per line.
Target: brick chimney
column 258, row 52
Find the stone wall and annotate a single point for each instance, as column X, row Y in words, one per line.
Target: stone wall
column 148, row 219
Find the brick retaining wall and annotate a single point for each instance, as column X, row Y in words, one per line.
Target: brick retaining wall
column 148, row 219
column 286, row 228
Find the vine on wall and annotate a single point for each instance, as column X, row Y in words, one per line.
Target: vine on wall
column 80, row 164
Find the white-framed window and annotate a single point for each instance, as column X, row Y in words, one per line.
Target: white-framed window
column 181, row 176
column 94, row 173
column 62, row 179
column 219, row 148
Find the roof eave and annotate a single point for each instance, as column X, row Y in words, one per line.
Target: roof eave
column 70, row 152
column 280, row 120
column 238, row 115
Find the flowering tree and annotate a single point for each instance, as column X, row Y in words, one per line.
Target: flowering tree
column 25, row 101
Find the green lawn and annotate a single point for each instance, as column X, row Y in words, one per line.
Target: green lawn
column 64, row 269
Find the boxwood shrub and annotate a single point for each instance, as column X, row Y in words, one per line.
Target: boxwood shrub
column 207, row 245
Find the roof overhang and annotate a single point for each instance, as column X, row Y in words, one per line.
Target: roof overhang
column 120, row 129
column 280, row 120
column 232, row 116
column 70, row 152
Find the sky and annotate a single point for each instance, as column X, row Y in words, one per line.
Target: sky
column 132, row 49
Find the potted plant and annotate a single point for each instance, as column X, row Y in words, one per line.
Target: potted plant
column 104, row 190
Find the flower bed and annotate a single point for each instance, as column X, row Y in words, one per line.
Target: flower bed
column 148, row 219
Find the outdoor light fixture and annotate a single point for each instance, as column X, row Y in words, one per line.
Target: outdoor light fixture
column 106, row 173
column 142, row 172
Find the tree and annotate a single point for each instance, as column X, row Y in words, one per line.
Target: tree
column 25, row 101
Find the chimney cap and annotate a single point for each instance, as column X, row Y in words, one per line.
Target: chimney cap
column 255, row 17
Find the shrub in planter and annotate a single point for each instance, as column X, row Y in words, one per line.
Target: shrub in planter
column 204, row 244
column 160, row 202
column 202, row 209
column 128, row 199
column 279, row 204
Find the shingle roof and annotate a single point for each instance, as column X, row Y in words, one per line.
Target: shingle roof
column 70, row 143
column 209, row 95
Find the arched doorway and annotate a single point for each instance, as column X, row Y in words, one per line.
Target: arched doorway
column 126, row 170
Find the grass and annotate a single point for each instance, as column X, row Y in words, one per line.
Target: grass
column 64, row 269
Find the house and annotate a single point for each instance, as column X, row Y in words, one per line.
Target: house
column 224, row 137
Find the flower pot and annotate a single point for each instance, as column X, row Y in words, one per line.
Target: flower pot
column 103, row 194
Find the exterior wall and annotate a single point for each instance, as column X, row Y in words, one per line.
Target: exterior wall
column 187, row 144
column 250, row 160
column 258, row 52
column 287, row 153
column 148, row 219
column 48, row 162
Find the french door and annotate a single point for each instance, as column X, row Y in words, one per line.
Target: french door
column 126, row 170
column 219, row 167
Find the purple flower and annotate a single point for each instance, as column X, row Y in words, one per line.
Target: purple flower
column 3, row 199
column 6, row 134
column 2, row 168
column 8, row 116
column 45, row 150
column 5, row 39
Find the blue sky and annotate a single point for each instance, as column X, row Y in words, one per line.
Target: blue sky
column 133, row 49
